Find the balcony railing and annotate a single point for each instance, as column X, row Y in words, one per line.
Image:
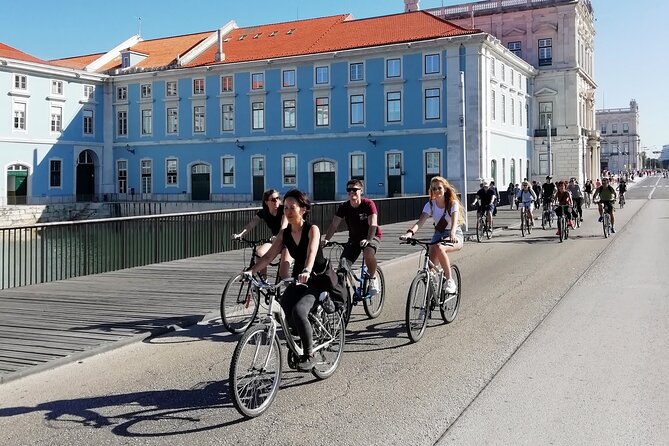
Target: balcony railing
column 543, row 133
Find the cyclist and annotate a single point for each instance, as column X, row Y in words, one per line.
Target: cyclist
column 511, row 193
column 485, row 201
column 448, row 214
column 607, row 197
column 301, row 240
column 563, row 198
column 622, row 188
column 526, row 199
column 364, row 234
column 587, row 191
column 272, row 214
column 577, row 197
column 548, row 190
column 536, row 187
column 497, row 198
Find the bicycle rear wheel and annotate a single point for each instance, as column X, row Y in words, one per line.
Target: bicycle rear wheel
column 522, row 225
column 239, row 304
column 544, row 220
column 328, row 358
column 417, row 307
column 479, row 229
column 605, row 224
column 374, row 304
column 451, row 304
column 560, row 225
column 488, row 228
column 255, row 372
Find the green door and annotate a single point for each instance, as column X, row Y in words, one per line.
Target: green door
column 324, row 181
column 394, row 176
column 258, row 175
column 200, row 182
column 17, row 184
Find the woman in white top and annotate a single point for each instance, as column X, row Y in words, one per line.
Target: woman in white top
column 448, row 215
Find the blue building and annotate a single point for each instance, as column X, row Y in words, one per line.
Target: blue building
column 225, row 114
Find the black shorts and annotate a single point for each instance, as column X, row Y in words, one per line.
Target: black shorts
column 352, row 249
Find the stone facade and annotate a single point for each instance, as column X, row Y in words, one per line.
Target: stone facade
column 619, row 129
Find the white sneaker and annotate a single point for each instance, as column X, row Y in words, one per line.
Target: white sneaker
column 374, row 286
column 450, row 287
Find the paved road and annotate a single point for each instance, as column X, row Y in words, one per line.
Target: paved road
column 173, row 389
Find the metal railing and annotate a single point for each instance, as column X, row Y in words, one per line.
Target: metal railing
column 55, row 251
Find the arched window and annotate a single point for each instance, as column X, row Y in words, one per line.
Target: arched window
column 513, row 170
column 493, row 170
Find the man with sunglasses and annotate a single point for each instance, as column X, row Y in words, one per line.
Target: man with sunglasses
column 607, row 197
column 364, row 234
column 485, row 201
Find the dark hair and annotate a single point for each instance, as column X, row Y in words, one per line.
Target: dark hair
column 300, row 197
column 354, row 182
column 265, row 196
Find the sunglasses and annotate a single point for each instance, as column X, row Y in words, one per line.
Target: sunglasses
column 352, row 189
column 436, row 188
column 274, row 199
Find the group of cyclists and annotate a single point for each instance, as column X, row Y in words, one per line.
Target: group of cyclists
column 301, row 243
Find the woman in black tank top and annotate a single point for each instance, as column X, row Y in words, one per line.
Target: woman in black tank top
column 302, row 240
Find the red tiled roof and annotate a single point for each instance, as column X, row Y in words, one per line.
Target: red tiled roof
column 334, row 33
column 77, row 62
column 12, row 53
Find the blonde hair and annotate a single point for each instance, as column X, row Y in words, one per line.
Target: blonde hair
column 450, row 195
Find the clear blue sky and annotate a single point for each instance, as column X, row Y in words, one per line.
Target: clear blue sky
column 629, row 51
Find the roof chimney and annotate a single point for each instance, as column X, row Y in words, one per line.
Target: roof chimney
column 219, row 53
column 411, row 5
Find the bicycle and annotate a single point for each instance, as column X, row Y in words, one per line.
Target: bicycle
column 563, row 226
column 256, row 365
column 621, row 200
column 359, row 284
column 482, row 226
column 239, row 300
column 525, row 221
column 427, row 291
column 547, row 215
column 606, row 219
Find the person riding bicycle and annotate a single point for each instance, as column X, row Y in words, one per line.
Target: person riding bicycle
column 563, row 198
column 548, row 190
column 587, row 191
column 622, row 188
column 607, row 198
column 511, row 194
column 364, row 234
column 526, row 199
column 448, row 214
column 577, row 197
column 485, row 201
column 301, row 239
column 497, row 198
column 272, row 214
column 536, row 187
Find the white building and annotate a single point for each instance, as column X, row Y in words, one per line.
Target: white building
column 619, row 128
column 557, row 38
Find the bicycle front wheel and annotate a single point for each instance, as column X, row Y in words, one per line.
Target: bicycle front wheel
column 255, row 372
column 374, row 304
column 449, row 308
column 479, row 230
column 488, row 229
column 328, row 358
column 522, row 225
column 561, row 225
column 417, row 307
column 239, row 304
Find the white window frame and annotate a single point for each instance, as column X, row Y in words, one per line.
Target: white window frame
column 260, row 78
column 223, row 173
column 432, row 56
column 122, row 182
column 56, row 126
column 145, row 91
column 142, row 163
column 285, row 175
column 359, row 71
column 224, row 83
column 394, row 100
column 355, row 175
column 291, row 122
column 545, row 48
column 57, row 87
column 88, row 91
column 171, row 89
column 326, row 69
column 146, row 121
column 119, row 125
column 395, row 74
column 350, row 109
column 260, row 114
column 20, row 82
column 319, row 111
column 197, row 108
column 174, row 174
column 228, row 125
column 122, row 93
column 425, row 107
column 493, row 105
column 285, row 73
column 199, row 86
column 24, row 119
column 168, row 115
column 90, row 118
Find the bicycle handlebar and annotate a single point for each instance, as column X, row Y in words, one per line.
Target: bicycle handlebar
column 264, row 285
column 414, row 241
column 253, row 243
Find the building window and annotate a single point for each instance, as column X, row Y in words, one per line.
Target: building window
column 145, row 91
column 228, row 170
column 358, row 166
column 322, row 75
column 56, row 119
column 19, row 116
column 356, row 71
column 89, row 91
column 172, row 120
column 626, row 127
column 545, row 52
column 432, row 103
column 146, row 176
column 514, row 47
column 198, row 86
column 288, row 78
column 520, row 114
column 614, row 128
column 20, row 82
column 543, row 164
column 503, row 109
column 394, row 106
column 258, row 117
column 228, row 117
column 289, row 170
column 121, row 93
column 257, row 81
column 55, row 173
column 171, row 171
column 147, row 121
column 289, row 114
column 512, row 166
column 433, row 163
column 227, row 84
column 545, row 114
column 513, row 112
column 57, row 87
column 431, row 63
column 171, row 88
column 122, row 176
column 322, row 112
column 493, row 105
column 393, row 68
column 122, row 123
column 603, row 127
column 357, row 106
column 198, row 119
column 493, row 170
column 88, row 122
column 503, row 72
